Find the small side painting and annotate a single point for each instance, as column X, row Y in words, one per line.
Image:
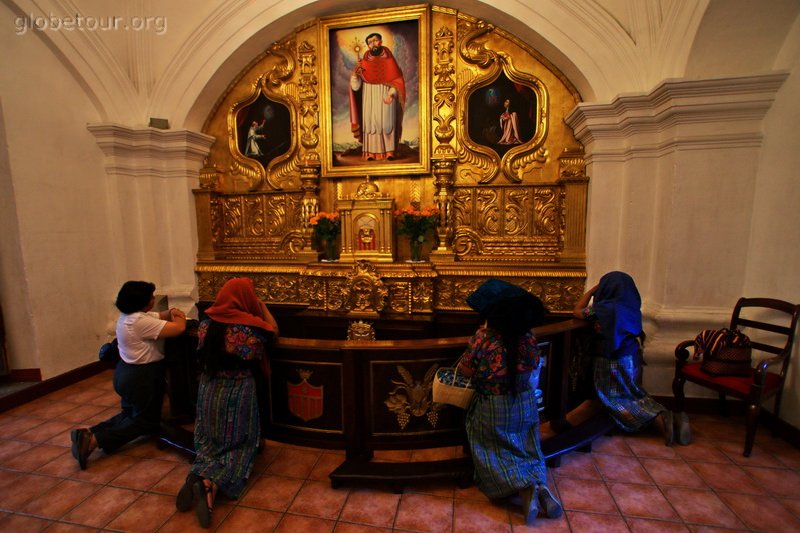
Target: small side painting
column 502, row 115
column 263, row 130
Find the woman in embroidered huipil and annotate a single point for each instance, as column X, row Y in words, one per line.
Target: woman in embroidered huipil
column 231, row 351
column 502, row 422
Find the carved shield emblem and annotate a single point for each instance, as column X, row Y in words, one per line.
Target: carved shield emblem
column 305, row 400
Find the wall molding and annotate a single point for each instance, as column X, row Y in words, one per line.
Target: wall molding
column 150, row 152
column 678, row 114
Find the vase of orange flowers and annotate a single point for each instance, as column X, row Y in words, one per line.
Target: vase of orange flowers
column 326, row 227
column 416, row 224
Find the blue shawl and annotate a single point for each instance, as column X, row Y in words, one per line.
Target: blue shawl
column 617, row 306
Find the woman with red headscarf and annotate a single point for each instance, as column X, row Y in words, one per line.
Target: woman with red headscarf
column 232, row 344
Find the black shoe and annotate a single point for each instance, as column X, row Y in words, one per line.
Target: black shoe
column 668, row 429
column 202, row 509
column 184, row 500
column 81, row 445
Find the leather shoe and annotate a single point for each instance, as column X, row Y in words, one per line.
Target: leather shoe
column 668, row 427
column 202, row 510
column 184, row 500
column 81, row 445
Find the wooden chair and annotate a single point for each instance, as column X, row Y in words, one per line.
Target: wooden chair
column 762, row 383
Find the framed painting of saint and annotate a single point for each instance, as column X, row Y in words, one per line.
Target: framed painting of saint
column 375, row 79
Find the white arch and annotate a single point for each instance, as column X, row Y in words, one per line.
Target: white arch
column 87, row 57
column 589, row 44
column 605, row 48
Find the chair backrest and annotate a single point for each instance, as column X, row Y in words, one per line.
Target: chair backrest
column 783, row 323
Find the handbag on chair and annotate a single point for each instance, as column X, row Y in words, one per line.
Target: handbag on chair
column 725, row 352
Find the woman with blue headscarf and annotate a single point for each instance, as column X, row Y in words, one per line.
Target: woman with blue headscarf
column 616, row 311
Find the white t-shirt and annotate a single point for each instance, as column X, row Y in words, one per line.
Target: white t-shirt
column 137, row 334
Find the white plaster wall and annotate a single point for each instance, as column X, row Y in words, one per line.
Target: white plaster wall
column 774, row 246
column 57, row 298
column 673, row 183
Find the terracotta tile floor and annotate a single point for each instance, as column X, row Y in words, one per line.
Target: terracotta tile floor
column 627, row 483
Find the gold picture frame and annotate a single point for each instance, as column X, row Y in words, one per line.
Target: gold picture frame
column 378, row 124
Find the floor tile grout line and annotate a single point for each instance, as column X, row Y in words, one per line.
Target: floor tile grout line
column 778, row 465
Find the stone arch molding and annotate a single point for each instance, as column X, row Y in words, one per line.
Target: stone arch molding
column 603, row 53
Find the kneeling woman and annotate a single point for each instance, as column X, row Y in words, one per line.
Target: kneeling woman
column 502, row 422
column 227, row 428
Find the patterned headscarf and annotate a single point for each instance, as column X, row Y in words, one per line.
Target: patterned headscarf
column 237, row 303
column 617, row 306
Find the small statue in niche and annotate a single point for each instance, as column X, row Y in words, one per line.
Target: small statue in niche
column 366, row 237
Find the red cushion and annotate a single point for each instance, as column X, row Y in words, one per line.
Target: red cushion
column 737, row 384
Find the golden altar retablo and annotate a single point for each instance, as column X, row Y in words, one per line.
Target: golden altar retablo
column 483, row 140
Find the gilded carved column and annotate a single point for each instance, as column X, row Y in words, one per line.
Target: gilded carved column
column 309, row 183
column 575, row 183
column 444, row 177
column 444, row 157
column 204, row 200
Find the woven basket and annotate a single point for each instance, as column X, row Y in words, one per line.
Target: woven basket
column 447, row 388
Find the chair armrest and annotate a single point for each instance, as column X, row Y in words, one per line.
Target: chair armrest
column 761, row 367
column 682, row 352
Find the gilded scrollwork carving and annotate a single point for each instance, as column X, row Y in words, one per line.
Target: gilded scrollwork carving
column 210, row 177
column 472, row 47
column 293, row 242
column 444, row 96
column 546, row 211
column 360, row 330
column 487, row 219
column 467, row 242
column 422, row 296
column 215, row 213
column 232, row 218
column 281, row 288
column 511, row 155
column 559, row 291
column 273, row 85
column 367, row 292
column 339, row 294
column 399, row 297
column 572, row 166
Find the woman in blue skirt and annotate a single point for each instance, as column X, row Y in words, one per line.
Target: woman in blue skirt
column 502, row 422
column 616, row 312
column 231, row 351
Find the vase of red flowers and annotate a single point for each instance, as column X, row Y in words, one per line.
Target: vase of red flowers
column 326, row 227
column 416, row 224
